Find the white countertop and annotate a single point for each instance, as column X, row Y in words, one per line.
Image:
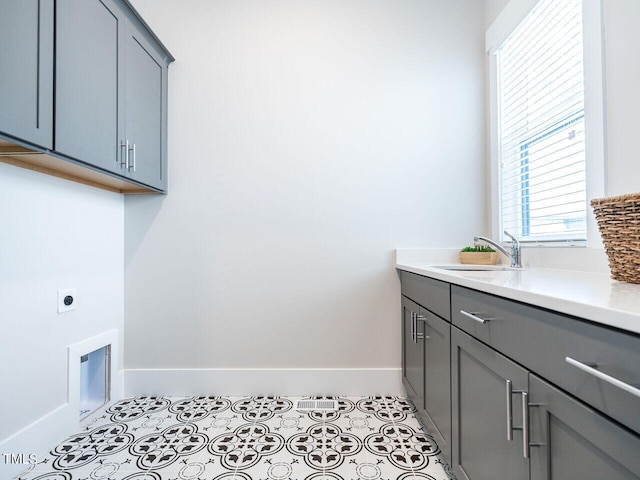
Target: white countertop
column 592, row 296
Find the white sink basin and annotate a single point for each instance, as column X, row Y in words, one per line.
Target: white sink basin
column 476, row 268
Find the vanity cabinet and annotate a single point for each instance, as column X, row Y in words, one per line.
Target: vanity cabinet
column 437, row 384
column 412, row 352
column 567, row 351
column 432, row 294
column 111, row 79
column 426, row 353
column 26, row 70
column 488, row 391
column 571, row 440
column 578, row 408
column 528, row 393
column 509, row 423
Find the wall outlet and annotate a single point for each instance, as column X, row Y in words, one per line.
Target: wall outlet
column 67, row 300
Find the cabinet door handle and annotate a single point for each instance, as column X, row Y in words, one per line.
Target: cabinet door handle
column 474, row 316
column 124, row 151
column 525, row 424
column 603, row 376
column 132, row 149
column 413, row 327
column 525, row 416
column 531, row 444
column 419, row 335
column 509, row 411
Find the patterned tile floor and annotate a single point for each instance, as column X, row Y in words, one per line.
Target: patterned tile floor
column 249, row 438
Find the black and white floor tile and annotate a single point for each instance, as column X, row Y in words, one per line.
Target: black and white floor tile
column 248, row 438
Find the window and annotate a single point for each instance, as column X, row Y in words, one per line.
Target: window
column 539, row 139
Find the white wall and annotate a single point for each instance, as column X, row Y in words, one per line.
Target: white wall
column 622, row 44
column 492, row 9
column 307, row 141
column 53, row 234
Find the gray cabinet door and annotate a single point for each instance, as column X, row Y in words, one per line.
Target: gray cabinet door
column 26, row 70
column 481, row 449
column 412, row 354
column 574, row 441
column 146, row 83
column 89, row 121
column 437, row 380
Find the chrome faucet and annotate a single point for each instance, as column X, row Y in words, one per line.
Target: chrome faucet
column 516, row 261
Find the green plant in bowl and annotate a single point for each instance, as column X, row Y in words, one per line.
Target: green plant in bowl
column 478, row 248
column 479, row 255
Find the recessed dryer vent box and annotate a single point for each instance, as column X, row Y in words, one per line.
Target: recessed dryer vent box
column 95, row 380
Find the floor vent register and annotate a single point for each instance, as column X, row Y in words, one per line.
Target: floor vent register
column 317, row 405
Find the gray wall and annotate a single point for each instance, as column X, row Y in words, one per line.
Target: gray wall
column 307, row 141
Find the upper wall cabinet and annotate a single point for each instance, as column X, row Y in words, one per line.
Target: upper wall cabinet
column 111, row 85
column 110, row 96
column 26, row 70
column 88, row 52
column 145, row 110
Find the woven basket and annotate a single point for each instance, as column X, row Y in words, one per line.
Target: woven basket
column 619, row 223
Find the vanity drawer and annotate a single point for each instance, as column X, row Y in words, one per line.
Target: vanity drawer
column 433, row 295
column 559, row 348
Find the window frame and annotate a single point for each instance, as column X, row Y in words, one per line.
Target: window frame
column 507, row 21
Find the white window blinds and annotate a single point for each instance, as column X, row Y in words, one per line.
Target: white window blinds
column 541, row 125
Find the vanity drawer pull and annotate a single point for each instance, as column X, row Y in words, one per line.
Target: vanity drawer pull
column 603, row 376
column 474, row 316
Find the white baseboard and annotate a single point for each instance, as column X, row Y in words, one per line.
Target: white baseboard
column 240, row 382
column 39, row 437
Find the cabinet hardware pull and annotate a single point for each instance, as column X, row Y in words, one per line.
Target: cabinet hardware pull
column 510, row 427
column 603, row 376
column 525, row 424
column 413, row 327
column 132, row 149
column 535, row 444
column 421, row 336
column 474, row 316
column 509, row 411
column 123, row 153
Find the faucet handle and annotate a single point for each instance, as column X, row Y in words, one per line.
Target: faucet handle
column 516, row 260
column 515, row 240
